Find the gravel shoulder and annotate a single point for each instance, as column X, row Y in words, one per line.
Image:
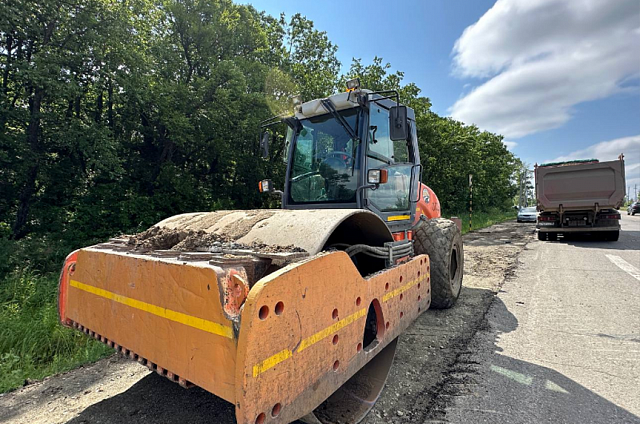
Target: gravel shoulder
column 428, row 360
column 427, row 364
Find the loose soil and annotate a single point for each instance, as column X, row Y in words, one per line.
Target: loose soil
column 193, row 236
column 429, row 366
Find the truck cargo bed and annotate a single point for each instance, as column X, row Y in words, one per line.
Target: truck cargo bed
column 580, row 186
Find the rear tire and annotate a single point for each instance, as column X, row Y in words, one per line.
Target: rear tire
column 552, row 236
column 441, row 239
column 542, row 236
column 611, row 235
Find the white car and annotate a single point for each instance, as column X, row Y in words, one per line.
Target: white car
column 528, row 215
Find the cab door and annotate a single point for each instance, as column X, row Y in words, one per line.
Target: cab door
column 392, row 201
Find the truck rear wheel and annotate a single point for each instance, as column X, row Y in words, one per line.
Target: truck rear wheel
column 611, row 235
column 441, row 239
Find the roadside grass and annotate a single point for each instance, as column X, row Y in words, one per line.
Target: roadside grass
column 484, row 219
column 33, row 344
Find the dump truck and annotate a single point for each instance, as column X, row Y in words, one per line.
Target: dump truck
column 290, row 313
column 579, row 197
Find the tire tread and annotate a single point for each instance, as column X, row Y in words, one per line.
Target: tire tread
column 435, row 237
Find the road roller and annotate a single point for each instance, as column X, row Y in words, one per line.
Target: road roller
column 292, row 313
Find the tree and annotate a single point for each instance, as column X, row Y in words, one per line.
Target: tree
column 310, row 57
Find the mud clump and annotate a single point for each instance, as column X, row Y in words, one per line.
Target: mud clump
column 265, row 248
column 157, row 238
column 201, row 241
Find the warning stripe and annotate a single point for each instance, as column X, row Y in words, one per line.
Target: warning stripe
column 285, row 354
column 402, row 289
column 309, row 341
column 398, row 218
column 271, row 362
column 274, row 360
column 191, row 321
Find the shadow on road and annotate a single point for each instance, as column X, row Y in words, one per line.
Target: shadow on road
column 629, row 240
column 154, row 399
column 507, row 390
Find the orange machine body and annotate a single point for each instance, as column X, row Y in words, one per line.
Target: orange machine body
column 294, row 340
column 428, row 204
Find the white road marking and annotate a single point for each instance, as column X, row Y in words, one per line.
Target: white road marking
column 520, row 378
column 625, row 266
column 550, row 385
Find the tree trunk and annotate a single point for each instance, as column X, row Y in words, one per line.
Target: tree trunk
column 110, row 106
column 99, row 107
column 29, row 188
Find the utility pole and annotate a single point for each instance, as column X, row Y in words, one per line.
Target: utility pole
column 521, row 196
column 526, row 188
column 523, row 200
column 470, row 199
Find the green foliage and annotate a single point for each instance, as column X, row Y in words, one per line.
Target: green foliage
column 33, row 344
column 450, row 151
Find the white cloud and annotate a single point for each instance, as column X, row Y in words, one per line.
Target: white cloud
column 542, row 58
column 610, row 150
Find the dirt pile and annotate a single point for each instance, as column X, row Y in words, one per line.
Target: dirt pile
column 157, row 238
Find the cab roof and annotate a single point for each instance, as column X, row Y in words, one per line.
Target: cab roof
column 342, row 101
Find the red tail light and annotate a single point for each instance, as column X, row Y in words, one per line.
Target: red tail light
column 546, row 218
column 398, row 236
column 610, row 217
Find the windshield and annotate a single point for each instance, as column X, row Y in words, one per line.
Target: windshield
column 324, row 165
column 528, row 210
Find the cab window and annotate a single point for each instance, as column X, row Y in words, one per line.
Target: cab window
column 390, row 155
column 379, row 141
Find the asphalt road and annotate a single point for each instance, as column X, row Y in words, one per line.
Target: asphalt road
column 562, row 340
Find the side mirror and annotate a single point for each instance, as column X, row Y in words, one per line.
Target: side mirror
column 264, row 144
column 398, row 123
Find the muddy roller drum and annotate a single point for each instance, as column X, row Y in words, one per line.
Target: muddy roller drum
column 265, row 309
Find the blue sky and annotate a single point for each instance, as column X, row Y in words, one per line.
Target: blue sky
column 559, row 79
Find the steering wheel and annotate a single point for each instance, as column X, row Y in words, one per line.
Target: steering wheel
column 340, row 155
